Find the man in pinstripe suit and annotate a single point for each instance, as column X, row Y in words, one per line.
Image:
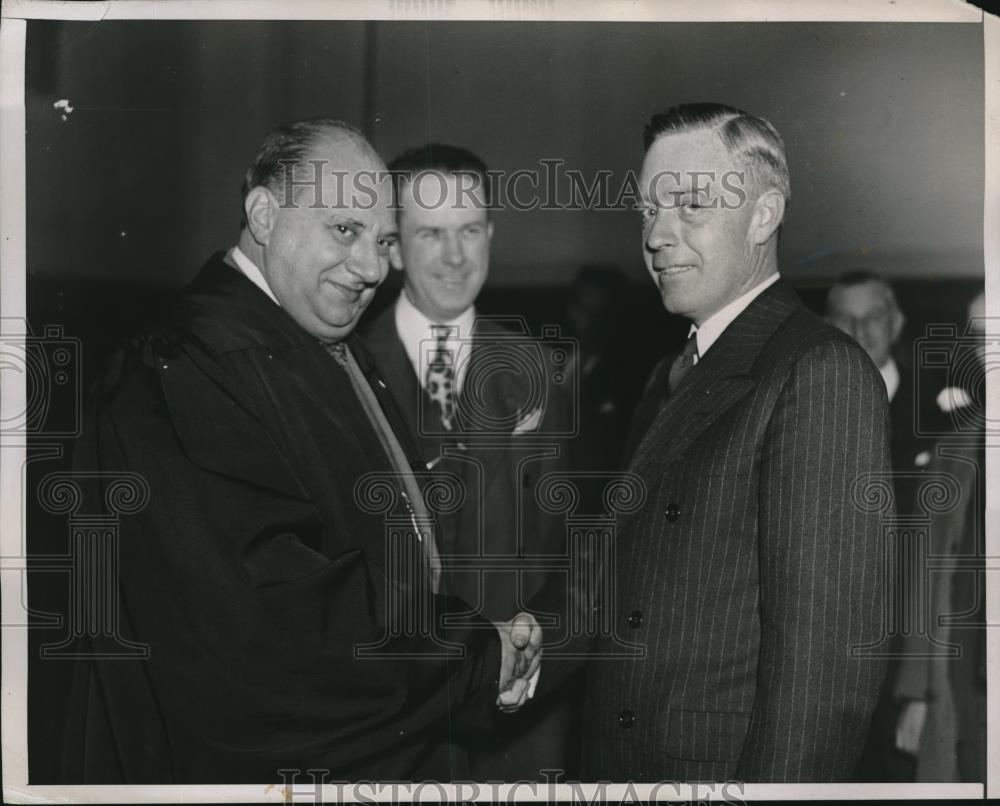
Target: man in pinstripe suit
column 752, row 572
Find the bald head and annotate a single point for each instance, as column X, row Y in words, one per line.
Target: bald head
column 282, row 162
column 319, row 224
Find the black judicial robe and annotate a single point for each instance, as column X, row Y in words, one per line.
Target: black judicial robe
column 255, row 570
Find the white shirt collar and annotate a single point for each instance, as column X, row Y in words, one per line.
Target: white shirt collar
column 414, row 329
column 253, row 274
column 890, row 374
column 715, row 325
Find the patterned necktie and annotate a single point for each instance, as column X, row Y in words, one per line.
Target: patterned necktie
column 683, row 363
column 440, row 380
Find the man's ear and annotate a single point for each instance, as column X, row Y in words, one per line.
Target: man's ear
column 898, row 320
column 261, row 208
column 396, row 256
column 489, row 230
column 769, row 210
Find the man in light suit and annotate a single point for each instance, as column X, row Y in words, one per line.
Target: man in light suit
column 751, row 574
column 482, row 405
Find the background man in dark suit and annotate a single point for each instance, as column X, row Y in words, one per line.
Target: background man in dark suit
column 863, row 305
column 260, row 572
column 480, row 403
column 942, row 697
column 752, row 571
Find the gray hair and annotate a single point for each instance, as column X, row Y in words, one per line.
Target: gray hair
column 752, row 142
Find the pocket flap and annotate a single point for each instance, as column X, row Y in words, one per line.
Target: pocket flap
column 706, row 735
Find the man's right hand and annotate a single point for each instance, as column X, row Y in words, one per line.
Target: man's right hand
column 911, row 726
column 521, row 643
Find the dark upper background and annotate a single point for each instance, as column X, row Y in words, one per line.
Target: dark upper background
column 140, row 183
column 883, row 125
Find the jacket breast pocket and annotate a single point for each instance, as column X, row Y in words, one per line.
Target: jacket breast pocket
column 706, row 735
column 728, row 463
column 284, row 552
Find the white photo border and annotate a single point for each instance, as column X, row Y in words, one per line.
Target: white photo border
column 13, row 707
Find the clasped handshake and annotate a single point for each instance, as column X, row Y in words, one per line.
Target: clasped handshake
column 521, row 643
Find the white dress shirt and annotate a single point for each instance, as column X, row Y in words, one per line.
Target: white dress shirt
column 890, row 374
column 715, row 325
column 420, row 341
column 253, row 274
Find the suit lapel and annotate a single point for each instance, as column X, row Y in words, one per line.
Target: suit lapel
column 500, row 394
column 719, row 380
column 383, row 342
column 698, row 402
column 496, row 402
column 492, row 381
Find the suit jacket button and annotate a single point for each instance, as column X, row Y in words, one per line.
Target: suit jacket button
column 626, row 718
column 673, row 512
column 634, row 619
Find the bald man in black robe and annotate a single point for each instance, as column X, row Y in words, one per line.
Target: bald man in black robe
column 288, row 625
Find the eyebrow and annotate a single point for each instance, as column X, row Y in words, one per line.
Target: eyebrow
column 340, row 217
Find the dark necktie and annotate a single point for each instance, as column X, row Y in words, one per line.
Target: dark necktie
column 440, row 380
column 683, row 363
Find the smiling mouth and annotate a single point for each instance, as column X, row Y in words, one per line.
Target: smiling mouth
column 672, row 271
column 351, row 294
column 452, row 282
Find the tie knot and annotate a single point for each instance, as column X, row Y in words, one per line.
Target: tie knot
column 690, row 351
column 336, row 349
column 683, row 363
column 442, row 333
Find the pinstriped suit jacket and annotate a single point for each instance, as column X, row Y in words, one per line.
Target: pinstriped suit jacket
column 749, row 574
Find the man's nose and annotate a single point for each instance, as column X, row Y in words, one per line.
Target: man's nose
column 451, row 250
column 366, row 263
column 663, row 229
